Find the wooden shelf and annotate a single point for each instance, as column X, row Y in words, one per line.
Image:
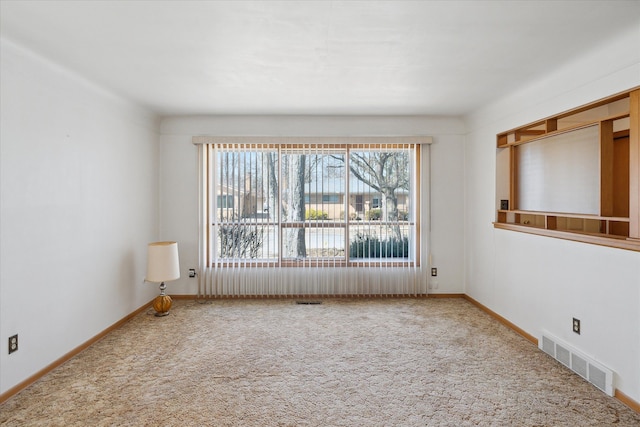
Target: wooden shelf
column 537, row 135
column 616, row 144
column 567, row 222
column 596, row 239
column 553, row 125
column 567, row 215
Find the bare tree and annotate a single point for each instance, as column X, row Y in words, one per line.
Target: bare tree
column 385, row 172
column 293, row 208
column 296, row 171
column 270, row 160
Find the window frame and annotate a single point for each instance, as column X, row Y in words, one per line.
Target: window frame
column 413, row 222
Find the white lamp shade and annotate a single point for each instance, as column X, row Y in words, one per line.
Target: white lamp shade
column 162, row 262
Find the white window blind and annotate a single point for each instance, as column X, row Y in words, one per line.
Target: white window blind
column 309, row 217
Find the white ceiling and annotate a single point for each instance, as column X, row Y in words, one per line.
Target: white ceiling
column 319, row 57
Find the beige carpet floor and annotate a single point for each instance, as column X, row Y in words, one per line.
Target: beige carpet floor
column 399, row 362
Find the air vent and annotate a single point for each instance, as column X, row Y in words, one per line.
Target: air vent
column 549, row 347
column 586, row 367
column 309, row 302
column 579, row 365
column 597, row 377
column 563, row 355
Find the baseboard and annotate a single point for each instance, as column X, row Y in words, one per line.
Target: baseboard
column 627, row 401
column 502, row 320
column 301, row 296
column 446, row 295
column 35, row 377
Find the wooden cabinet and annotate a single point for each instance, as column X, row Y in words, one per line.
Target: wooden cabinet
column 575, row 175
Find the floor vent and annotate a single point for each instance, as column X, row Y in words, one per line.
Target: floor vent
column 309, row 302
column 582, row 365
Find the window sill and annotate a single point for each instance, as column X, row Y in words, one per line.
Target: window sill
column 594, row 239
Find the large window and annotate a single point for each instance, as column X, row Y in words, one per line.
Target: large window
column 315, row 204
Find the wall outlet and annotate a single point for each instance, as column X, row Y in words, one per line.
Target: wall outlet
column 13, row 343
column 434, row 271
column 192, row 272
column 576, row 326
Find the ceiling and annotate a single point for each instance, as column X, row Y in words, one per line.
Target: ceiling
column 314, row 57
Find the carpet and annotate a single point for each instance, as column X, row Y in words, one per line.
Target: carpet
column 352, row 362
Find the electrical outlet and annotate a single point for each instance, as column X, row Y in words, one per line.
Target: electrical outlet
column 576, row 326
column 192, row 272
column 13, row 343
column 434, row 271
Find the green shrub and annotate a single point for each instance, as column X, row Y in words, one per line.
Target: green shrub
column 376, row 214
column 316, row 215
column 372, row 247
column 373, row 214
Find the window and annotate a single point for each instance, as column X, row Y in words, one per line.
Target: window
column 225, row 202
column 325, row 204
column 313, row 215
column 330, row 198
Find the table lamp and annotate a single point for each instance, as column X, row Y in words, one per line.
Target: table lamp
column 162, row 265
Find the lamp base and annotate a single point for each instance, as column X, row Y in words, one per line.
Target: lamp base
column 162, row 305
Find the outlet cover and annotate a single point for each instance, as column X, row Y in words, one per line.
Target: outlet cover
column 13, row 343
column 576, row 326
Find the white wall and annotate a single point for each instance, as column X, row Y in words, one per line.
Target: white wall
column 178, row 182
column 78, row 204
column 541, row 283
